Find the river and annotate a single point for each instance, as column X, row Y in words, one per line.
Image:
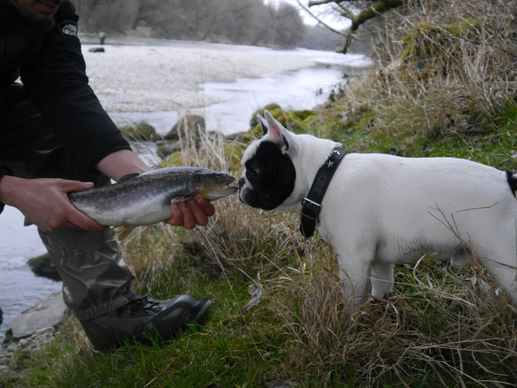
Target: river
column 302, row 88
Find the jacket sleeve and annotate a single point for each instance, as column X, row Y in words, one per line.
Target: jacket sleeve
column 58, row 86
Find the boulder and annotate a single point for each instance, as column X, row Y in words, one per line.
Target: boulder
column 189, row 128
column 96, row 50
column 47, row 313
column 44, row 266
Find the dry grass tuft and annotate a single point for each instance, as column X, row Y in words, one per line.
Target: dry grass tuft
column 435, row 329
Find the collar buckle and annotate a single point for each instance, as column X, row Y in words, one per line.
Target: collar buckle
column 311, row 207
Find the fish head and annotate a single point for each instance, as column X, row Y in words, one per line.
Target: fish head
column 213, row 184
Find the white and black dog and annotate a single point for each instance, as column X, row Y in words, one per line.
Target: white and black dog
column 379, row 210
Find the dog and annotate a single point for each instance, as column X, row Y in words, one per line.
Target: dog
column 380, row 210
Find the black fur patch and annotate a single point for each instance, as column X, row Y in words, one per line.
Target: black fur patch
column 512, row 182
column 272, row 176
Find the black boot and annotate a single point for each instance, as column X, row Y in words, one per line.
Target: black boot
column 143, row 319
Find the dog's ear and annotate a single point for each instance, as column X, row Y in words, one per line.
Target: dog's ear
column 276, row 132
column 263, row 123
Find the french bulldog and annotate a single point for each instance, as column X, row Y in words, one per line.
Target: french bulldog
column 380, row 210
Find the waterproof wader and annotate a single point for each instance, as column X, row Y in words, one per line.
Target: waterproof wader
column 94, row 275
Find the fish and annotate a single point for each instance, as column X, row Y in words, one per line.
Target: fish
column 145, row 198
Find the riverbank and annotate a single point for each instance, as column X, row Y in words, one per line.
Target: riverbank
column 169, row 78
column 223, row 83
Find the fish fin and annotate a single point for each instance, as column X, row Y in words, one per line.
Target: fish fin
column 123, row 231
column 128, row 177
column 181, row 198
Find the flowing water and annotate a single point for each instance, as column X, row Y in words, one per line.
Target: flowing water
column 301, row 89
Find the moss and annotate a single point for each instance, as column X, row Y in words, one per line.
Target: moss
column 139, row 131
column 298, row 121
column 167, row 148
column 428, row 40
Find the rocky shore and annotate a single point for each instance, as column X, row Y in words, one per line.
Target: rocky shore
column 33, row 329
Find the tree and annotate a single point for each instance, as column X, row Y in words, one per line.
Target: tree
column 242, row 22
column 358, row 11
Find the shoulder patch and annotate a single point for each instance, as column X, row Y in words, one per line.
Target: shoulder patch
column 68, row 27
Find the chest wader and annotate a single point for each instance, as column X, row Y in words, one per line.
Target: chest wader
column 96, row 281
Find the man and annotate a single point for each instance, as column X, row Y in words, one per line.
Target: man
column 55, row 138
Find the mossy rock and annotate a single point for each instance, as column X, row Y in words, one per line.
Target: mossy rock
column 188, row 126
column 429, row 40
column 297, row 121
column 140, row 130
column 270, row 107
column 44, row 266
column 166, row 148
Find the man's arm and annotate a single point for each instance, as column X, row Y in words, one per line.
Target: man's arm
column 58, row 85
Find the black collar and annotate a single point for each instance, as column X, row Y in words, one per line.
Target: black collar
column 312, row 203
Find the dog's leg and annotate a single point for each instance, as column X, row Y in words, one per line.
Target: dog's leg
column 382, row 279
column 354, row 272
column 497, row 251
column 504, row 272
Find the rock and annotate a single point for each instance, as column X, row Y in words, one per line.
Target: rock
column 256, row 295
column 47, row 313
column 189, row 128
column 96, row 50
column 167, row 148
column 44, row 266
column 140, row 130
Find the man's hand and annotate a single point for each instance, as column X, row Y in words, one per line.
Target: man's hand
column 191, row 213
column 44, row 202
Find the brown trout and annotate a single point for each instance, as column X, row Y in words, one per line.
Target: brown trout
column 144, row 199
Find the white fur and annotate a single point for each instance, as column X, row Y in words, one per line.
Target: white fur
column 380, row 210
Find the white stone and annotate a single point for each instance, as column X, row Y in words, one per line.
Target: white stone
column 39, row 319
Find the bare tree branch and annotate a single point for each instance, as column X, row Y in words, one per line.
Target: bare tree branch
column 374, row 10
column 319, row 20
column 320, row 2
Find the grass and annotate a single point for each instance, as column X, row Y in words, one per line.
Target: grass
column 441, row 328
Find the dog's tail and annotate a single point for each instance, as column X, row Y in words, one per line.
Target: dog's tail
column 512, row 181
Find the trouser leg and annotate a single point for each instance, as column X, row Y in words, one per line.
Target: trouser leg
column 93, row 272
